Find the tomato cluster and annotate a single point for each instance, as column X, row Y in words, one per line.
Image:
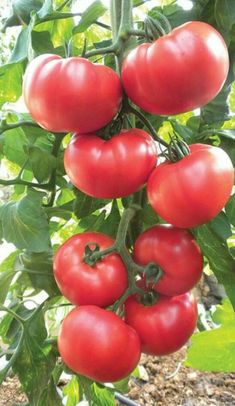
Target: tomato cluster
column 176, row 73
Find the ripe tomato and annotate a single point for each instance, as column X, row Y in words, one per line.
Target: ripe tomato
column 71, row 94
column 113, row 168
column 193, row 190
column 176, row 253
column 96, row 343
column 179, row 71
column 165, row 326
column 100, row 284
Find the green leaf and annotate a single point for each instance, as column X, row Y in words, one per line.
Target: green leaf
column 50, row 396
column 40, row 270
column 102, row 396
column 230, row 210
column 224, row 313
column 218, row 109
column 14, row 146
column 41, row 162
column 46, row 9
column 219, row 257
column 225, row 14
column 213, row 350
column 85, row 205
column 221, row 226
column 21, row 10
column 20, row 51
column 89, row 16
column 111, row 223
column 6, row 274
column 10, row 82
column 25, row 224
column 42, row 43
column 71, row 391
column 35, row 362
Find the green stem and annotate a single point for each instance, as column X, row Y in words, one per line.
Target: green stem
column 5, row 126
column 65, row 3
column 147, row 124
column 17, row 181
column 13, row 314
column 13, row 358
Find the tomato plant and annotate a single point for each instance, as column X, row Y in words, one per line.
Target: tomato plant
column 179, row 71
column 193, row 190
column 81, row 142
column 99, row 168
column 96, row 343
column 176, row 252
column 165, row 326
column 101, row 283
column 59, row 93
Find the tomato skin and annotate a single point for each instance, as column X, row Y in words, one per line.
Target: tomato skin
column 179, row 71
column 193, row 190
column 114, row 168
column 177, row 254
column 164, row 327
column 96, row 343
column 71, row 94
column 82, row 284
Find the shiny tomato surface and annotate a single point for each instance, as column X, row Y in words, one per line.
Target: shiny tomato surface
column 71, row 94
column 165, row 326
column 96, row 343
column 176, row 252
column 100, row 284
column 114, row 168
column 178, row 72
column 193, row 190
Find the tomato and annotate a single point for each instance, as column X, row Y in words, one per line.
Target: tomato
column 180, row 71
column 100, row 284
column 113, row 168
column 71, row 94
column 96, row 343
column 165, row 326
column 177, row 254
column 193, row 190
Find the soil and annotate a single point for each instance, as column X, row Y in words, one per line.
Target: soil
column 163, row 382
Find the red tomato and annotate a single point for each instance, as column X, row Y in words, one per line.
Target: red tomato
column 96, row 343
column 100, row 284
column 165, row 326
column 71, row 94
column 113, row 168
column 193, row 190
column 176, row 253
column 179, row 71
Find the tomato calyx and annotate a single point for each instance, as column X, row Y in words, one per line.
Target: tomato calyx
column 153, row 273
column 148, row 298
column 156, row 27
column 93, row 253
column 176, row 150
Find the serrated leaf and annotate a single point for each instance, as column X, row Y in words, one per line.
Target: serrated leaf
column 35, row 362
column 230, row 210
column 41, row 162
column 219, row 257
column 14, row 146
column 102, row 396
column 218, row 109
column 71, row 391
column 213, row 350
column 221, row 225
column 50, row 396
column 25, row 223
column 89, row 16
column 6, row 274
column 85, row 205
column 224, row 313
column 20, row 51
column 40, row 271
column 10, row 82
column 225, row 14
column 111, row 223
